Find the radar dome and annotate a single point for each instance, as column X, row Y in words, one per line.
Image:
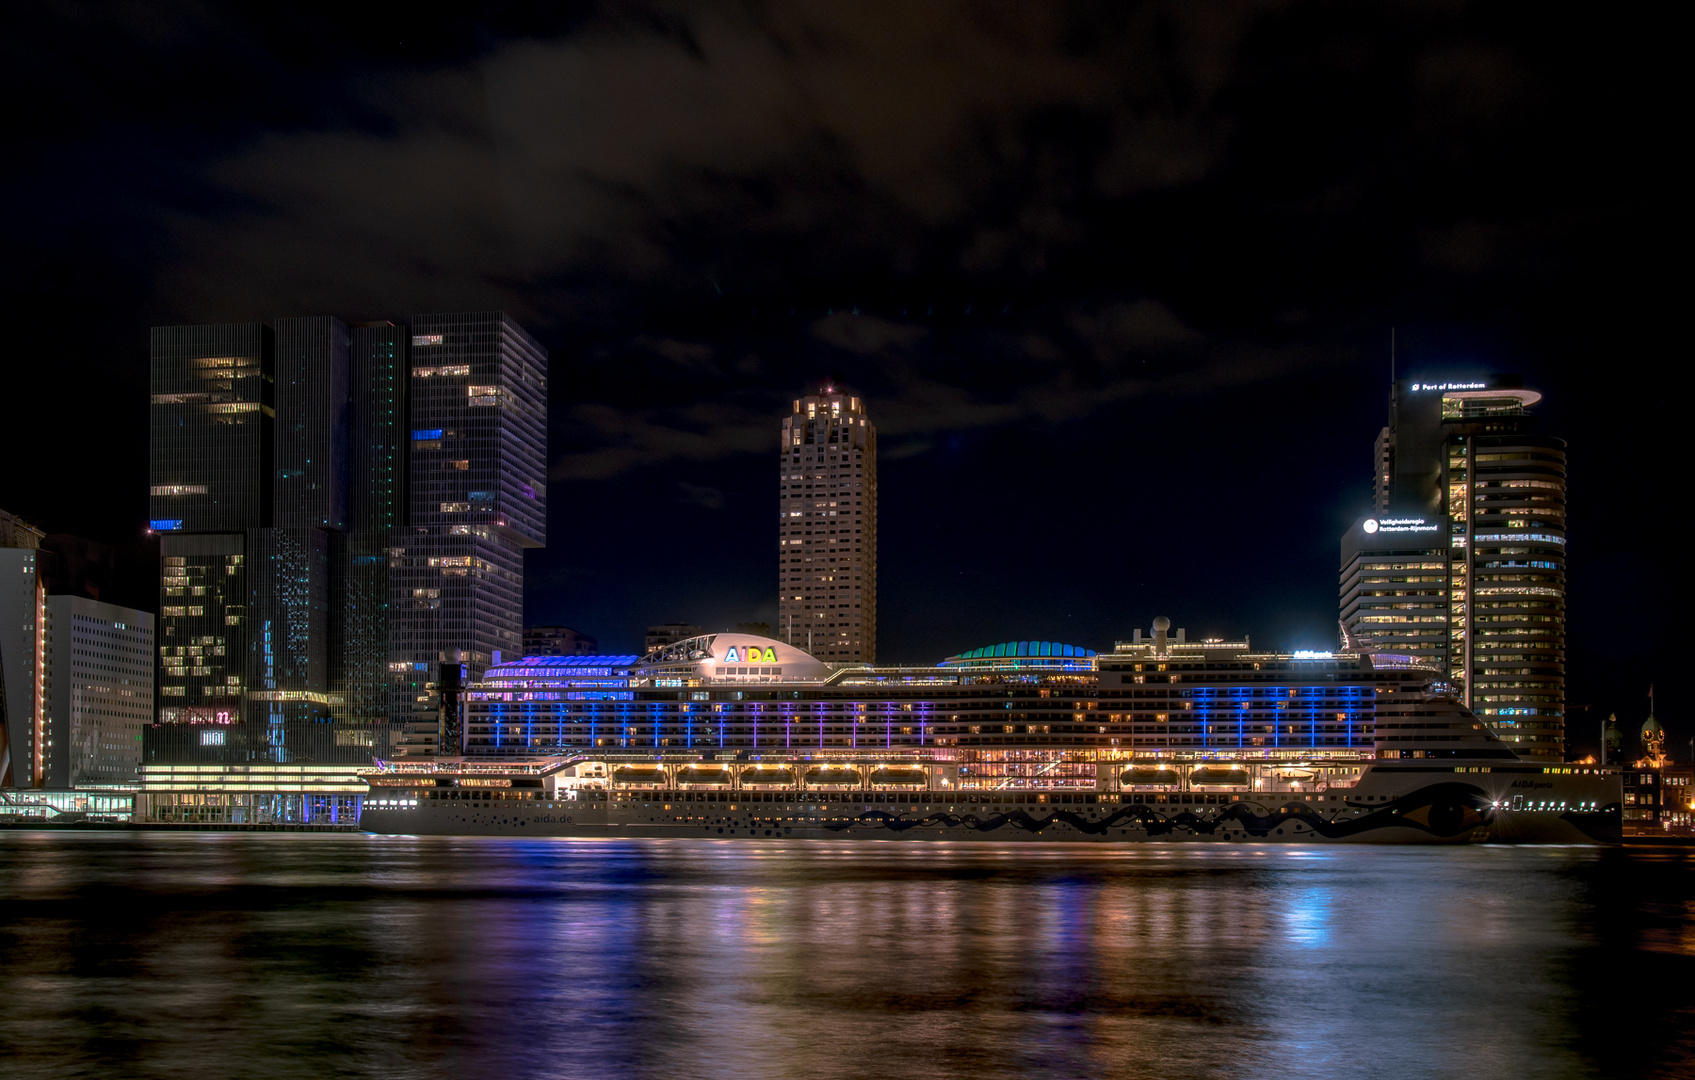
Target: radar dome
column 1162, row 624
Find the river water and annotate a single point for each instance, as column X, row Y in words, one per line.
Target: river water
column 267, row 955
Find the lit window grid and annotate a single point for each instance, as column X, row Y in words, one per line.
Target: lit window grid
column 210, row 425
column 98, row 693
column 1208, row 712
column 827, row 544
column 504, row 445
column 1495, row 618
column 202, row 636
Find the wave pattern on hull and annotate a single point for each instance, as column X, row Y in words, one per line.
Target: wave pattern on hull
column 1450, row 812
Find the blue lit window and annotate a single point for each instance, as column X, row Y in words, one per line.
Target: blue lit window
column 433, row 433
column 166, row 524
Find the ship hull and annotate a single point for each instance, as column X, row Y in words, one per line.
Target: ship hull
column 1382, row 810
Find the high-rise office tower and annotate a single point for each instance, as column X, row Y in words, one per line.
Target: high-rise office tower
column 376, row 506
column 249, row 489
column 478, row 499
column 97, row 691
column 211, row 423
column 23, row 601
column 338, row 522
column 827, row 529
column 1462, row 560
column 291, row 558
column 76, row 675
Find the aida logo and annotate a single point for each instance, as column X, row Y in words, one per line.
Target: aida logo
column 750, row 654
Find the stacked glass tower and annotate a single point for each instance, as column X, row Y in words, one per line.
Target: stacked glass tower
column 1462, row 559
column 376, row 506
column 324, row 553
column 290, row 616
column 212, row 434
column 827, row 529
column 478, row 498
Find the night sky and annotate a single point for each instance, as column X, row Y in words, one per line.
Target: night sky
column 1117, row 281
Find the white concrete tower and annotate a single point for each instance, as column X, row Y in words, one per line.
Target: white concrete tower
column 827, row 529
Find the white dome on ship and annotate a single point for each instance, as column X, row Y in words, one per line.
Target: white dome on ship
column 729, row 655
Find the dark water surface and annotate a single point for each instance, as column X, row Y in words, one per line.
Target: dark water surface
column 215, row 955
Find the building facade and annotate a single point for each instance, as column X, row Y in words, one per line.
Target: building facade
column 478, row 500
column 15, row 532
column 23, row 602
column 558, row 641
column 98, row 692
column 827, row 529
column 1462, row 560
column 322, row 551
column 76, row 680
column 660, row 635
column 212, row 432
column 378, row 464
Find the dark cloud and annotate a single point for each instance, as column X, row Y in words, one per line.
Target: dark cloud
column 701, row 495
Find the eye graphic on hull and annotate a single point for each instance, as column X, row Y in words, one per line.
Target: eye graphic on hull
column 1445, row 817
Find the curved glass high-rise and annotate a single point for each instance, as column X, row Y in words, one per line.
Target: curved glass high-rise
column 1463, row 558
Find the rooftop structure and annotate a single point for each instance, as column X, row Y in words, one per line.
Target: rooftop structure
column 15, row 532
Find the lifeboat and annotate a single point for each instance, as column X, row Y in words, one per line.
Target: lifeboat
column 832, row 776
column 1151, row 774
column 761, row 775
column 638, row 774
column 1219, row 774
column 694, row 774
column 898, row 776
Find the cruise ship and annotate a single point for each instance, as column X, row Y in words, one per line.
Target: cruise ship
column 1162, row 739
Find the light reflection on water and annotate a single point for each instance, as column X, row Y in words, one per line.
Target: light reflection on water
column 153, row 954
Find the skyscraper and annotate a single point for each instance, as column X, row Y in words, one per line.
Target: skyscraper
column 827, row 529
column 1462, row 560
column 478, row 499
column 23, row 602
column 97, row 692
column 76, row 675
column 316, row 563
column 211, row 423
column 379, row 372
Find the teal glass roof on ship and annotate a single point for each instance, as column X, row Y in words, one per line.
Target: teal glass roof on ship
column 1025, row 654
